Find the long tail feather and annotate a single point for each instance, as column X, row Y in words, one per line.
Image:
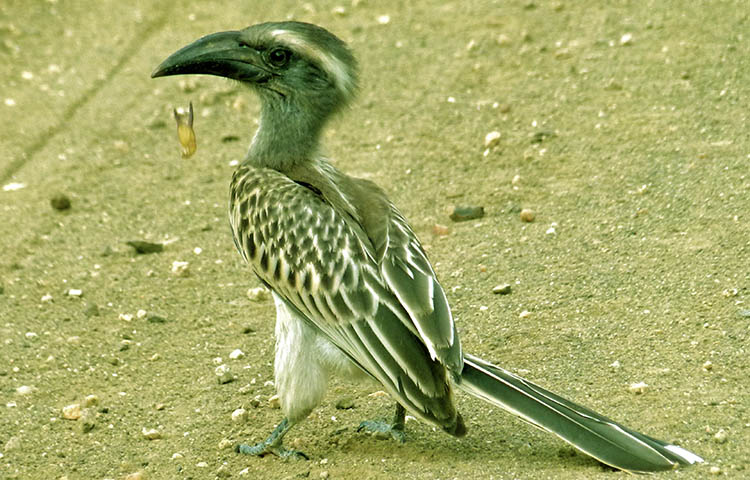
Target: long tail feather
column 594, row 434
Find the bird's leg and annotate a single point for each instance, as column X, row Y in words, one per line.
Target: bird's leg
column 380, row 428
column 272, row 444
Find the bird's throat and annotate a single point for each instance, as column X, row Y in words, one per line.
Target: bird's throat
column 286, row 136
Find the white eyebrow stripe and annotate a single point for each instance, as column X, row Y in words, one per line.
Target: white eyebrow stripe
column 332, row 65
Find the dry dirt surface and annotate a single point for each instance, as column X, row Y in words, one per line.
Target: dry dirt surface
column 623, row 127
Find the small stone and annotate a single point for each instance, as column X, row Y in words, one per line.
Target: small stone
column 384, row 19
column 90, row 401
column 25, row 390
column 708, row 365
column 503, row 289
column 244, row 471
column 225, row 443
column 721, row 436
column 491, row 139
column 60, row 202
column 440, row 230
column 177, row 456
column 181, row 269
column 463, row 213
column 121, row 146
column 239, row 415
column 236, row 353
column 151, row 318
column 87, row 420
column 258, row 294
column 626, row 39
column 151, row 433
column 75, row 292
column 503, row 40
column 142, row 247
column 638, row 388
column 31, row 335
column 135, row 476
column 223, row 471
column 72, row 411
column 91, row 310
column 274, row 402
column 516, row 180
column 615, row 364
column 13, row 443
column 714, row 470
column 527, row 215
column 345, row 403
column 550, row 231
column 46, row 298
column 524, row 314
column 223, row 374
column 324, row 474
column 201, row 464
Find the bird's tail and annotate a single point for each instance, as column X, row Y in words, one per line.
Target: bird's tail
column 595, row 435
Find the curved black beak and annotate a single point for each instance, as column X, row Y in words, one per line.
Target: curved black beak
column 222, row 54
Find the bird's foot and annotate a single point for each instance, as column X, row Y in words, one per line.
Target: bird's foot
column 381, row 429
column 273, row 445
column 264, row 448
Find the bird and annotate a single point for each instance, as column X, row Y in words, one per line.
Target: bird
column 355, row 293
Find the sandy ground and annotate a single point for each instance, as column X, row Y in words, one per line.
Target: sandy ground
column 623, row 127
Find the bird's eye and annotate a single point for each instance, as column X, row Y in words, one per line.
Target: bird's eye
column 279, row 57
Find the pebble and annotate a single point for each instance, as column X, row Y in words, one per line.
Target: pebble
column 239, row 415
column 75, row 292
column 135, row 476
column 527, row 215
column 524, row 314
column 550, row 231
column 721, row 436
column 223, row 374
column 638, row 388
column 13, row 443
column 345, row 403
column 440, row 230
column 143, row 248
column 150, row 433
column 181, row 269
column 244, row 471
column 25, row 390
column 225, row 443
column 708, row 365
column 258, row 294
column 155, row 319
column 91, row 310
column 626, row 39
column 236, row 353
column 503, row 40
column 714, row 470
column 503, row 289
column 87, row 420
column 463, row 213
column 201, row 464
column 491, row 139
column 60, row 202
column 90, row 401
column 72, row 411
column 223, row 471
column 274, row 402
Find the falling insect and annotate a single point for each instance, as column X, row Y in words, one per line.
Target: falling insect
column 185, row 131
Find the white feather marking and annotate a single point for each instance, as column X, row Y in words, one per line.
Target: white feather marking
column 333, row 66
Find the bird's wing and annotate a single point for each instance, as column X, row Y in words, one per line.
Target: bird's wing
column 407, row 272
column 318, row 262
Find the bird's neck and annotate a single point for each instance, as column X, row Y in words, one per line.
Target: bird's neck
column 286, row 137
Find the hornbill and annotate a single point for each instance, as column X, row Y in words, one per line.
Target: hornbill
column 355, row 294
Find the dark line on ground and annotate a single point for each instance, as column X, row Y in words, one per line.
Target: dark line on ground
column 44, row 138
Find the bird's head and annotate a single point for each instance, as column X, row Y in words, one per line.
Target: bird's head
column 294, row 66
